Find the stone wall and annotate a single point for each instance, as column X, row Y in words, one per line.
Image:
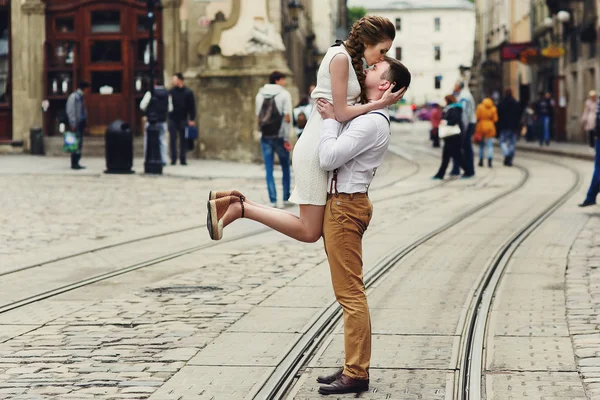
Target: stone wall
column 226, row 88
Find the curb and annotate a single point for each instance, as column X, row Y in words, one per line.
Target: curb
column 557, row 152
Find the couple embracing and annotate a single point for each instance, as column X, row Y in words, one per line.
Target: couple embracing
column 344, row 141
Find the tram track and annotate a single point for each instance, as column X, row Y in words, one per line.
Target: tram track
column 285, row 374
column 172, row 255
column 472, row 345
column 473, row 339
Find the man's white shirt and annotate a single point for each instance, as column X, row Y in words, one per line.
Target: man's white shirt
column 357, row 152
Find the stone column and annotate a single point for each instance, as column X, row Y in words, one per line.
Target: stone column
column 172, row 42
column 28, row 35
column 232, row 61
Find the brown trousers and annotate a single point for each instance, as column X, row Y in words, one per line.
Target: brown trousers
column 347, row 217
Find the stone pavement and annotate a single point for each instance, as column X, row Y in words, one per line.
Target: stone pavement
column 572, row 150
column 212, row 323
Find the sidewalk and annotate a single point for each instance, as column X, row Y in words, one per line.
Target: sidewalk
column 95, row 166
column 572, row 150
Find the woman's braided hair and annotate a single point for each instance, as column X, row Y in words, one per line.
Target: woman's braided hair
column 367, row 31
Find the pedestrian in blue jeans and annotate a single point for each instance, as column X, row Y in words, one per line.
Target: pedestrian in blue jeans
column 274, row 112
column 270, row 147
column 509, row 122
column 590, row 199
column 543, row 115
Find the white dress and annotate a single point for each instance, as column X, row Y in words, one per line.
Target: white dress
column 311, row 180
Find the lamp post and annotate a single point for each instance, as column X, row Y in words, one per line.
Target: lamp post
column 294, row 8
column 153, row 162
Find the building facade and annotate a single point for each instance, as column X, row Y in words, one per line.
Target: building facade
column 434, row 39
column 48, row 46
column 558, row 40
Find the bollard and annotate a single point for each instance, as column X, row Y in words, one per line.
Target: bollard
column 36, row 141
column 153, row 161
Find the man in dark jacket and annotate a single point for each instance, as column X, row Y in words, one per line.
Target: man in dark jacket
column 157, row 105
column 77, row 115
column 182, row 116
column 509, row 122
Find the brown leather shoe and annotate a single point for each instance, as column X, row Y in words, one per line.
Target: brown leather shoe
column 216, row 211
column 345, row 384
column 218, row 195
column 327, row 379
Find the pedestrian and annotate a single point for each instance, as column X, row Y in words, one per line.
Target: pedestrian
column 274, row 112
column 435, row 119
column 592, row 193
column 588, row 118
column 76, row 111
column 182, row 116
column 342, row 71
column 351, row 159
column 467, row 102
column 543, row 117
column 509, row 122
column 301, row 114
column 157, row 104
column 485, row 131
column 529, row 122
column 452, row 117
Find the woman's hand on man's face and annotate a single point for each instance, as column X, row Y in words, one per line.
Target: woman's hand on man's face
column 390, row 98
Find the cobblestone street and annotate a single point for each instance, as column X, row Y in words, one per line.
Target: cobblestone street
column 111, row 289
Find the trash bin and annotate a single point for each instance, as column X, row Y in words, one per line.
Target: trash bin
column 119, row 148
column 36, row 141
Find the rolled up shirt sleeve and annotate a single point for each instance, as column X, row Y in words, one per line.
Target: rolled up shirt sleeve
column 335, row 151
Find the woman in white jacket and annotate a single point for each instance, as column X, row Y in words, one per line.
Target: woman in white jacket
column 588, row 118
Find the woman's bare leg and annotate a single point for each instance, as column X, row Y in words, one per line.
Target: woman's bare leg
column 307, row 227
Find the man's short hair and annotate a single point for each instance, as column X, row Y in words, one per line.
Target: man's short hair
column 83, row 85
column 158, row 80
column 397, row 73
column 276, row 76
column 508, row 92
column 179, row 76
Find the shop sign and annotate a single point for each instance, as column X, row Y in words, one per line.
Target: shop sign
column 512, row 51
column 530, row 55
column 553, row 52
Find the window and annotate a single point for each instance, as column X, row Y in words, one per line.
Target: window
column 106, row 21
column 437, row 53
column 399, row 53
column 438, row 82
column 398, row 24
column 109, row 82
column 105, row 51
column 4, row 57
column 437, row 24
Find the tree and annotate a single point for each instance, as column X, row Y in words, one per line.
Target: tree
column 355, row 13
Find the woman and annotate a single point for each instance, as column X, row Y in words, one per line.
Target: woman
column 435, row 118
column 340, row 80
column 588, row 118
column 452, row 116
column 487, row 116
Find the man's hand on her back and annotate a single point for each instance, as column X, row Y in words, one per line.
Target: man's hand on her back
column 325, row 108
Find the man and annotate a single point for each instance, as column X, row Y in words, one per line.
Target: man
column 157, row 105
column 182, row 116
column 466, row 100
column 509, row 122
column 352, row 159
column 274, row 112
column 77, row 115
column 592, row 193
column 543, row 116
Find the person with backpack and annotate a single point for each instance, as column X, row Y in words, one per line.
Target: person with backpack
column 274, row 112
column 157, row 104
column 301, row 114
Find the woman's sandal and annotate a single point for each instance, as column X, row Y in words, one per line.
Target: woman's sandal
column 219, row 195
column 216, row 210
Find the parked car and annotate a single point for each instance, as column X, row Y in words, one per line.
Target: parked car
column 405, row 113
